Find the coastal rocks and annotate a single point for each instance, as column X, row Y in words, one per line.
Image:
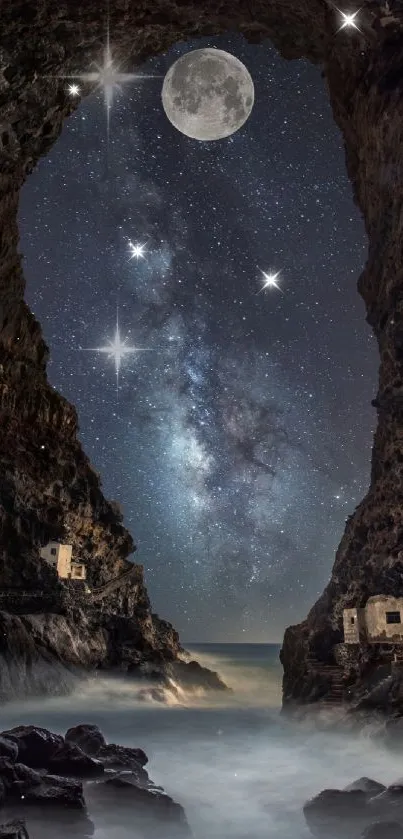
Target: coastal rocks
column 191, row 675
column 150, row 805
column 49, row 653
column 54, row 792
column 332, row 809
column 365, row 809
column 89, row 738
column 35, row 745
column 16, row 778
column 69, row 759
column 173, row 681
column 366, row 785
column 46, row 800
column 383, row 830
column 113, row 786
column 109, row 755
column 123, row 758
column 8, row 748
column 13, row 830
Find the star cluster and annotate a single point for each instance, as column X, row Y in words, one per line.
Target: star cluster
column 241, row 441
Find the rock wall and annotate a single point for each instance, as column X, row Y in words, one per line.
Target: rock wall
column 369, row 559
column 47, row 486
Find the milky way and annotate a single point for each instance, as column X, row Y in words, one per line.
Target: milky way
column 241, row 441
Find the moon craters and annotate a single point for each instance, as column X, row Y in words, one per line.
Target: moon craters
column 208, row 94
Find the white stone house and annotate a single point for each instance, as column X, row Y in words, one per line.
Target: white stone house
column 379, row 622
column 58, row 556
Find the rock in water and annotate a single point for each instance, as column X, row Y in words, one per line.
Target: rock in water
column 146, row 808
column 17, row 778
column 367, row 785
column 35, row 745
column 55, row 792
column 70, row 760
column 192, row 675
column 13, row 830
column 89, row 738
column 388, row 803
column 383, row 830
column 337, row 812
column 8, row 748
column 122, row 757
column 56, row 803
column 363, row 810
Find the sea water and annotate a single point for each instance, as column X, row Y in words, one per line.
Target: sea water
column 238, row 767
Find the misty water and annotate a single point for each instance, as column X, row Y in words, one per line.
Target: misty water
column 238, row 768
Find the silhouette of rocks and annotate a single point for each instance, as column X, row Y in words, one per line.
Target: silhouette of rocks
column 69, row 759
column 8, row 748
column 114, row 785
column 365, row 809
column 334, row 810
column 124, row 758
column 383, row 830
column 13, row 830
column 367, row 785
column 150, row 806
column 89, row 738
column 55, row 792
column 35, row 745
column 192, row 675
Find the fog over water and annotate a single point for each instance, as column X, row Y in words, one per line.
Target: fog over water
column 238, row 768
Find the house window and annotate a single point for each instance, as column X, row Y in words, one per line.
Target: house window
column 393, row 617
column 53, row 551
column 352, row 620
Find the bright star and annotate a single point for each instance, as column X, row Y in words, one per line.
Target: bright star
column 117, row 350
column 73, row 89
column 108, row 77
column 348, row 20
column 137, row 251
column 270, row 281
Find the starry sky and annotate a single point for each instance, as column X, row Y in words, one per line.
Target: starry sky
column 239, row 443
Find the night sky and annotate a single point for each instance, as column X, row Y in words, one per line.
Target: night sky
column 240, row 442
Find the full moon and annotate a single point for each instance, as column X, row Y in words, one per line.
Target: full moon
column 208, row 94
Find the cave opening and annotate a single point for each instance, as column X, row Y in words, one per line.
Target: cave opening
column 39, row 447
column 254, row 398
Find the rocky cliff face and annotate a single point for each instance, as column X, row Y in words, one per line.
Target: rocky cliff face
column 369, row 559
column 47, row 486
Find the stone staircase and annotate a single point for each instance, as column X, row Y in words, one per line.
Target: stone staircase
column 335, row 674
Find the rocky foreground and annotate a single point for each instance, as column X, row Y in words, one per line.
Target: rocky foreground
column 67, row 786
column 365, row 809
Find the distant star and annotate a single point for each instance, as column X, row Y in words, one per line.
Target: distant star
column 137, row 251
column 108, row 77
column 270, row 281
column 73, row 89
column 117, row 350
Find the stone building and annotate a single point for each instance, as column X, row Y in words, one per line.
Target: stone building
column 379, row 622
column 59, row 557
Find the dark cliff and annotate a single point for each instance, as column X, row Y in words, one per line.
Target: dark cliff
column 47, row 487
